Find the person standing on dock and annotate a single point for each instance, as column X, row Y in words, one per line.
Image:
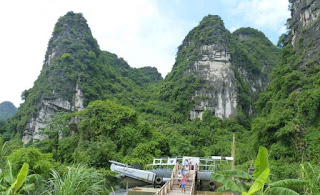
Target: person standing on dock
column 191, row 166
column 183, row 183
column 186, row 163
column 179, row 177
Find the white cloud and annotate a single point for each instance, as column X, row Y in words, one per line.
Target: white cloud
column 263, row 13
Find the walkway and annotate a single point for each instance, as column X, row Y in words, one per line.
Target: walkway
column 175, row 187
column 172, row 186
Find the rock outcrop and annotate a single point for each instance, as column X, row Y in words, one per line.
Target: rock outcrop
column 219, row 96
column 305, row 28
column 47, row 109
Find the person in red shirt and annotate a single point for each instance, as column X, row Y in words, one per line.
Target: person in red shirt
column 183, row 183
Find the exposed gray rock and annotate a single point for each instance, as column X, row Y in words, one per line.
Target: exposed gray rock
column 47, row 109
column 305, row 14
column 220, row 97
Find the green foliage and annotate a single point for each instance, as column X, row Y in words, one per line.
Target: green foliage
column 260, row 179
column 7, row 148
column 259, row 182
column 288, row 183
column 39, row 163
column 55, row 129
column 109, row 131
column 14, row 183
column 66, row 56
column 282, row 169
column 312, row 176
column 261, row 162
column 281, row 190
column 21, row 177
column 77, row 180
column 99, row 153
column 228, row 184
column 289, row 109
column 105, row 118
column 237, row 173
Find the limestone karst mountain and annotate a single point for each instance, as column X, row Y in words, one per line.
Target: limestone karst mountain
column 75, row 72
column 219, row 71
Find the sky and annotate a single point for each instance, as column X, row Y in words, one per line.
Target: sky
column 143, row 32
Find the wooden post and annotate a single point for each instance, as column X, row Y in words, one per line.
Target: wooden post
column 233, row 151
column 127, row 188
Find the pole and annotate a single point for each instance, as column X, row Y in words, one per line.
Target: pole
column 127, row 189
column 233, row 151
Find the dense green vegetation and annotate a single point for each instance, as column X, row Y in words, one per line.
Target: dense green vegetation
column 133, row 115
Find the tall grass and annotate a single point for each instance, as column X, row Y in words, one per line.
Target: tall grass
column 77, row 180
column 312, row 175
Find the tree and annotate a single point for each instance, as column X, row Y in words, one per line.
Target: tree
column 39, row 163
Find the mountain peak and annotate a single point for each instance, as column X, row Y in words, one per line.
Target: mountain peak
column 71, row 33
column 212, row 19
column 210, row 30
column 249, row 33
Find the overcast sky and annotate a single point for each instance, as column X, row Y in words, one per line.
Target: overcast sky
column 143, row 32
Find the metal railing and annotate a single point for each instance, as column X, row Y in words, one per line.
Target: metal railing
column 193, row 186
column 167, row 187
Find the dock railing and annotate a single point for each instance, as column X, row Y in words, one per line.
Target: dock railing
column 194, row 176
column 167, row 187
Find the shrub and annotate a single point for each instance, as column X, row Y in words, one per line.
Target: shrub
column 39, row 162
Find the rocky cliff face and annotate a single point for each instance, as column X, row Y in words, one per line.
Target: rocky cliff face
column 219, row 95
column 60, row 91
column 226, row 68
column 46, row 110
column 305, row 28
